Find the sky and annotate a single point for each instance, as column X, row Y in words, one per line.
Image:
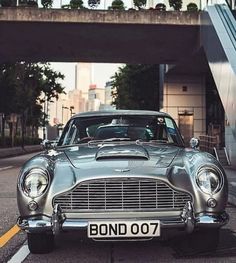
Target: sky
column 102, row 72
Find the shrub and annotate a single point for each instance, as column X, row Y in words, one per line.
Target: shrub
column 117, row 5
column 192, row 7
column 7, row 3
column 75, row 4
column 160, row 7
column 93, row 3
column 32, row 3
column 139, row 3
column 47, row 3
column 176, row 4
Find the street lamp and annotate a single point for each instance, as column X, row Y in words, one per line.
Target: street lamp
column 71, row 110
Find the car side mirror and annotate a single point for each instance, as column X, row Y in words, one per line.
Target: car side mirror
column 48, row 144
column 194, row 143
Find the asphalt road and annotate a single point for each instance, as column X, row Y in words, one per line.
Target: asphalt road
column 70, row 248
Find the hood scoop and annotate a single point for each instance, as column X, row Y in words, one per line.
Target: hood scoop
column 132, row 151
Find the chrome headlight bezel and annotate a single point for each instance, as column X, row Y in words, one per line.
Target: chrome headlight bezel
column 36, row 178
column 209, row 179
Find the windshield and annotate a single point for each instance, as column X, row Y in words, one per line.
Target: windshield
column 128, row 127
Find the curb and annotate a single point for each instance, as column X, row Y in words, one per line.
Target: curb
column 232, row 199
column 232, row 193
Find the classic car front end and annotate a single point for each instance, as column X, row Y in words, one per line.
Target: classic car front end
column 122, row 175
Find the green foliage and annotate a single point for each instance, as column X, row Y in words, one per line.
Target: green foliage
column 136, row 87
column 93, row 3
column 160, row 7
column 139, row 3
column 32, row 3
column 176, row 4
column 75, row 4
column 117, row 5
column 192, row 7
column 28, row 3
column 47, row 3
column 7, row 3
column 22, row 86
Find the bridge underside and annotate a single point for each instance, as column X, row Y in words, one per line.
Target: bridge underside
column 117, row 40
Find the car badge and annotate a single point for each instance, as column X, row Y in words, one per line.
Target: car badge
column 122, row 170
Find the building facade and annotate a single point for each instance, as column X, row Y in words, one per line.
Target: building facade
column 184, row 99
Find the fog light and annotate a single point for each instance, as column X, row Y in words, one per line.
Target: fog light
column 32, row 206
column 211, row 202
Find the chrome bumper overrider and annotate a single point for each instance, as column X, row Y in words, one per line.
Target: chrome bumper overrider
column 58, row 222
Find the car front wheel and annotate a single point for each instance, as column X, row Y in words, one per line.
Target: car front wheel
column 40, row 243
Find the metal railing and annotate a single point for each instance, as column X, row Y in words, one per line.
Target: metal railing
column 208, row 143
column 229, row 22
column 205, row 3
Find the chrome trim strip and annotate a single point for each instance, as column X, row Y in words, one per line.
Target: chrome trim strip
column 187, row 222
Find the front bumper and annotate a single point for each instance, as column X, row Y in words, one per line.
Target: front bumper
column 58, row 222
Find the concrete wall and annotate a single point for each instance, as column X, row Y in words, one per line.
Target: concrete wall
column 184, row 93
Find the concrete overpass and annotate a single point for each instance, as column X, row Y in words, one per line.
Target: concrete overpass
column 149, row 36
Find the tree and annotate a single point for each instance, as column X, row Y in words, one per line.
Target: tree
column 176, row 4
column 136, row 87
column 139, row 3
column 47, row 3
column 22, row 86
column 117, row 5
column 75, row 4
column 93, row 3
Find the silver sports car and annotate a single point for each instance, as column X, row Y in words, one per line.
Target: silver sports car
column 122, row 175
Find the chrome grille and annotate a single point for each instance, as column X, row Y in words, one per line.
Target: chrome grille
column 136, row 194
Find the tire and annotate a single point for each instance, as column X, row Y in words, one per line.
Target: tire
column 201, row 241
column 40, row 243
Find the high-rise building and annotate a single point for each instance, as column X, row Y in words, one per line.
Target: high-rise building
column 83, row 76
column 83, row 80
column 96, row 97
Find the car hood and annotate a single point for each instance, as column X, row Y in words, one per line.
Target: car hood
column 159, row 155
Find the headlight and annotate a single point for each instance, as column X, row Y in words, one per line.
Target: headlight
column 35, row 182
column 209, row 180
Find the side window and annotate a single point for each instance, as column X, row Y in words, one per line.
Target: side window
column 172, row 133
column 161, row 133
column 72, row 135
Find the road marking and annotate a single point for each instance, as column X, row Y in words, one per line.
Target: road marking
column 8, row 235
column 5, row 168
column 20, row 255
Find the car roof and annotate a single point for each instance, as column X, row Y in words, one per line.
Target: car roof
column 120, row 112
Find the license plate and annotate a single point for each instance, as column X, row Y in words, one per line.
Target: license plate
column 108, row 229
